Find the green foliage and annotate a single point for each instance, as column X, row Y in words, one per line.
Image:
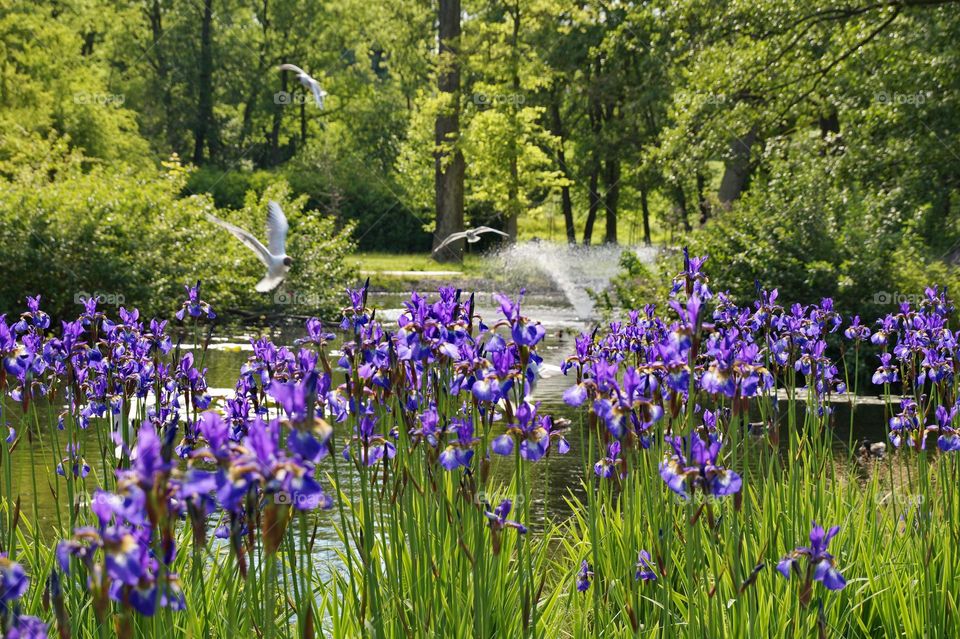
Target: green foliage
column 638, row 284
column 841, row 121
column 127, row 235
column 848, row 192
column 49, row 89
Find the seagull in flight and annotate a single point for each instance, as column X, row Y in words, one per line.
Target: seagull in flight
column 274, row 255
column 307, row 81
column 471, row 235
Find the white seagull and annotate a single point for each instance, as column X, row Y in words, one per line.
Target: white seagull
column 471, row 235
column 274, row 255
column 307, row 81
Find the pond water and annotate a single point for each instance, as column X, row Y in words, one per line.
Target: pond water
column 554, row 479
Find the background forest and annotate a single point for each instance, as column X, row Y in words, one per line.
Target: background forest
column 805, row 144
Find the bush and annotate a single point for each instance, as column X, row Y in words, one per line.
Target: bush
column 128, row 235
column 355, row 196
column 808, row 229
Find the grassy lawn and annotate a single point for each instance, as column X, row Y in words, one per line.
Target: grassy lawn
column 377, row 262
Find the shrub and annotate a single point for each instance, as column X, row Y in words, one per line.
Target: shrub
column 127, row 233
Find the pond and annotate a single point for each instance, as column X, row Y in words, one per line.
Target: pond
column 555, row 479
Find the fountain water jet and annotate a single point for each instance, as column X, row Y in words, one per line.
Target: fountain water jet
column 575, row 270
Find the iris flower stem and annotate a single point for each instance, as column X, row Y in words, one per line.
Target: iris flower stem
column 36, row 495
column 7, row 461
column 854, row 397
column 343, row 519
column 270, row 595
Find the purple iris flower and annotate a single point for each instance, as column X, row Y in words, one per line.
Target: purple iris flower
column 216, row 431
column 498, row 521
column 608, row 466
column 27, row 627
column 459, row 452
column 887, row 326
column 77, row 464
column 821, row 565
column 583, row 577
column 908, row 423
column 528, row 333
column 575, row 395
column 949, row 440
column 315, row 333
column 33, row 319
column 293, row 397
column 885, row 373
column 613, row 416
column 857, row 331
column 194, row 306
column 487, row 389
column 356, row 315
column 645, row 570
column 534, row 433
column 502, row 445
column 699, row 469
column 13, row 582
column 373, row 446
column 498, row 518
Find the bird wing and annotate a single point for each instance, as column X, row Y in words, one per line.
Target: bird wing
column 487, row 229
column 292, row 67
column 318, row 93
column 276, row 229
column 244, row 236
column 453, row 237
column 268, row 283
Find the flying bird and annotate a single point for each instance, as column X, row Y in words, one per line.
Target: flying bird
column 471, row 235
column 307, row 81
column 274, row 255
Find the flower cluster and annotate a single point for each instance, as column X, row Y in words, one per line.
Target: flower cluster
column 820, row 564
column 13, row 586
column 253, row 459
column 693, row 466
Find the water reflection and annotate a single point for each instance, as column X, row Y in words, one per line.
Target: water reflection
column 555, row 478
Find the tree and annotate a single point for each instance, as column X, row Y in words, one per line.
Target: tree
column 448, row 157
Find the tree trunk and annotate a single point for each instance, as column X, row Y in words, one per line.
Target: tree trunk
column 203, row 134
column 737, row 169
column 611, row 199
column 702, row 202
column 246, row 128
column 155, row 16
column 595, row 111
column 593, row 206
column 830, row 132
column 448, row 164
column 303, row 122
column 277, row 120
column 566, row 203
column 645, row 207
column 513, row 190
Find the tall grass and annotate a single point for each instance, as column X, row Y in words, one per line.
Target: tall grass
column 350, row 491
